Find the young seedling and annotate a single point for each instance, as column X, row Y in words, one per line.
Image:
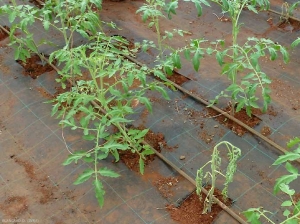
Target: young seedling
column 291, row 207
column 215, row 164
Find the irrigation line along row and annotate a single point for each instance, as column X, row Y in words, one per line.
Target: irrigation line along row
column 206, row 103
column 163, row 158
column 181, row 172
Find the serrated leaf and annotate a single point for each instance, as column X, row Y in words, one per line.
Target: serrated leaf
column 108, row 173
column 289, row 156
column 289, row 167
column 84, row 176
column 99, row 192
column 293, row 142
column 282, row 181
column 295, row 43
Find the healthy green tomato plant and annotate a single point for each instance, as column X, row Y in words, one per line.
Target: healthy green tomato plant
column 115, row 83
column 239, row 62
column 291, row 206
column 215, row 163
column 67, row 17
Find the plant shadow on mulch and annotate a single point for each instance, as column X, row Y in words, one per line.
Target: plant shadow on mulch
column 191, row 208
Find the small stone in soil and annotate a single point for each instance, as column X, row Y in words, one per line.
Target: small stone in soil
column 182, row 157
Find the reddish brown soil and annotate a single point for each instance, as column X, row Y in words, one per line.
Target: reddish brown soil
column 165, row 185
column 37, row 3
column 241, row 115
column 14, row 206
column 3, row 34
column 178, row 78
column 42, row 184
column 157, row 141
column 34, row 66
column 266, row 131
column 190, row 210
column 290, row 25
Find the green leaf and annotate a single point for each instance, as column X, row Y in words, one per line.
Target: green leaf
column 252, row 216
column 88, row 137
column 289, row 156
column 285, row 179
column 219, row 57
column 286, row 213
column 295, row 43
column 147, row 152
column 285, row 54
column 46, row 24
column 108, row 173
column 12, row 16
column 187, row 54
column 286, row 189
column 171, row 7
column 289, row 167
column 72, row 158
column 99, row 192
column 141, row 134
column 176, row 61
column 84, row 176
column 199, row 8
column 287, row 203
column 293, row 142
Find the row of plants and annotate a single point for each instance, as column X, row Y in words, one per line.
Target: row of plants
column 112, row 84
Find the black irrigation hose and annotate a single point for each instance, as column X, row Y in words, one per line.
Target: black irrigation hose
column 221, row 204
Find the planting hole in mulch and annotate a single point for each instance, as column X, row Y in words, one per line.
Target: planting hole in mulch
column 37, row 3
column 290, row 25
column 178, row 78
column 3, row 34
column 191, row 208
column 266, row 131
column 131, row 160
column 34, row 66
column 241, row 116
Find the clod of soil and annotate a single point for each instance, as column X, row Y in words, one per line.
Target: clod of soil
column 178, row 78
column 241, row 116
column 266, row 131
column 165, row 185
column 190, row 210
column 3, row 34
column 34, row 67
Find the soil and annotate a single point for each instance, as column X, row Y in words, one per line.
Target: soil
column 290, row 25
column 41, row 182
column 190, row 210
column 131, row 160
column 241, row 116
column 34, row 67
column 178, row 78
column 37, row 3
column 266, row 131
column 14, row 206
column 165, row 185
column 3, row 34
